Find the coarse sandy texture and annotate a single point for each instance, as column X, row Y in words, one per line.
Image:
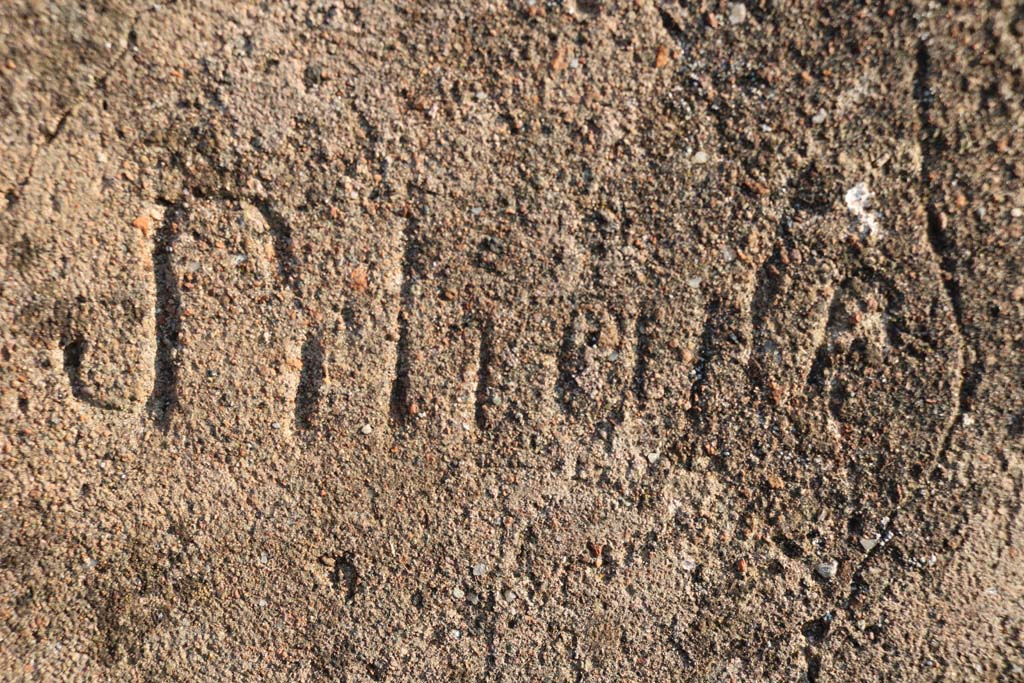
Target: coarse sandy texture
column 521, row 340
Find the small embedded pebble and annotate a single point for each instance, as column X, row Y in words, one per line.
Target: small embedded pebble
column 358, row 279
column 510, row 596
column 700, row 157
column 869, row 543
column 366, row 429
column 458, row 593
column 737, row 13
column 689, row 564
column 455, row 634
column 652, row 458
column 819, row 117
column 827, row 570
column 479, row 569
column 143, row 223
column 473, row 598
column 661, row 57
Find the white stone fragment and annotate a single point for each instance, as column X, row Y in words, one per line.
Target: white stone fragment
column 860, row 204
column 869, row 543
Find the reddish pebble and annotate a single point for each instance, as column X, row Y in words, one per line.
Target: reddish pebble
column 358, row 279
column 661, row 57
column 142, row 223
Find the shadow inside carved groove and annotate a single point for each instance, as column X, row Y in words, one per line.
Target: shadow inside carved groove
column 281, row 234
column 566, row 386
column 770, row 278
column 73, row 352
column 164, row 397
column 698, row 401
column 670, row 24
column 75, row 349
column 645, row 326
column 815, row 380
column 344, row 574
column 483, row 377
column 311, row 381
column 399, row 402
